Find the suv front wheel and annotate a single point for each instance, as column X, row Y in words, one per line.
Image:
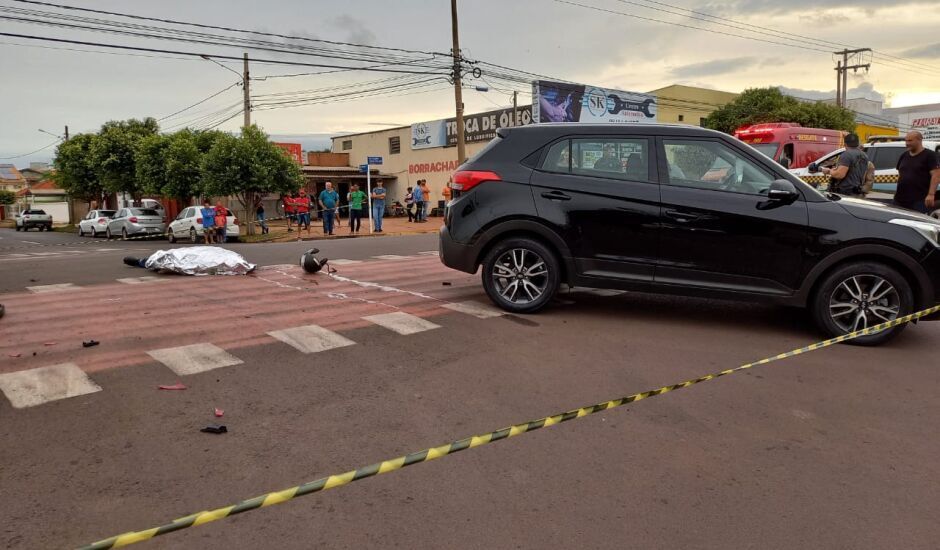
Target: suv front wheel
column 521, row 275
column 860, row 295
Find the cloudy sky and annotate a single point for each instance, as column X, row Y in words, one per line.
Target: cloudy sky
column 613, row 43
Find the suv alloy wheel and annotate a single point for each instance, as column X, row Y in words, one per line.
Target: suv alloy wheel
column 521, row 275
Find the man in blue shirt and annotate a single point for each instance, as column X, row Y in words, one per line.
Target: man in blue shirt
column 328, row 200
column 378, row 205
column 208, row 221
column 419, row 197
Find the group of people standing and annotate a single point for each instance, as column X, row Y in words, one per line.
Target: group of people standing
column 298, row 208
column 214, row 222
column 417, row 201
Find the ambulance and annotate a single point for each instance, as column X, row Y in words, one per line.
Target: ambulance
column 790, row 144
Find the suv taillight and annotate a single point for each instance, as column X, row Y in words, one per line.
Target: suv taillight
column 234, row 221
column 466, row 180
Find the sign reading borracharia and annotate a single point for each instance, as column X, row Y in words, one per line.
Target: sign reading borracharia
column 483, row 126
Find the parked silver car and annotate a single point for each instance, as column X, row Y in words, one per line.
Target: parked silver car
column 130, row 222
column 95, row 223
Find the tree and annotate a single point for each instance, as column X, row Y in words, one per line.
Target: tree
column 7, row 197
column 75, row 170
column 757, row 105
column 248, row 167
column 114, row 150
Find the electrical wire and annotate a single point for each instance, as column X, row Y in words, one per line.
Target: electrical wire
column 33, row 152
column 200, row 102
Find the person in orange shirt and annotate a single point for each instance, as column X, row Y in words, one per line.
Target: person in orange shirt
column 427, row 200
column 447, row 193
column 221, row 221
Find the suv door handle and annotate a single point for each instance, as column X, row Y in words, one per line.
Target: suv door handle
column 681, row 217
column 556, row 196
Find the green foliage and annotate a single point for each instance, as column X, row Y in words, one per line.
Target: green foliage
column 248, row 167
column 694, row 160
column 171, row 164
column 758, row 105
column 75, row 170
column 114, row 150
column 7, row 197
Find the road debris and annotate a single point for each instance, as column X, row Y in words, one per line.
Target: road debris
column 219, row 413
column 90, row 343
column 215, row 429
column 177, row 386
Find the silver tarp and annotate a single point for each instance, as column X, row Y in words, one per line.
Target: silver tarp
column 199, row 260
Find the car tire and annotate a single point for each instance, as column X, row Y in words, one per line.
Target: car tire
column 123, row 233
column 170, row 237
column 18, row 228
column 193, row 237
column 860, row 295
column 81, row 231
column 521, row 275
column 93, row 233
column 107, row 233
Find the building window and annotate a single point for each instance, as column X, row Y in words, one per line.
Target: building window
column 394, row 145
column 681, row 118
column 347, row 145
column 701, row 122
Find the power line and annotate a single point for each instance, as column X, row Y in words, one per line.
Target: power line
column 200, row 102
column 32, row 152
column 196, row 54
column 229, row 29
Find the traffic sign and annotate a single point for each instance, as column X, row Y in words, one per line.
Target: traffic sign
column 374, row 160
column 363, row 168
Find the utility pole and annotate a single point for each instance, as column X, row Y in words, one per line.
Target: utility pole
column 458, row 93
column 842, row 72
column 515, row 107
column 66, row 132
column 245, row 81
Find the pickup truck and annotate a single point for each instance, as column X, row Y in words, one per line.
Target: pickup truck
column 33, row 218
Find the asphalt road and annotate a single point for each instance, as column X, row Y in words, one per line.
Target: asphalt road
column 832, row 449
column 43, row 258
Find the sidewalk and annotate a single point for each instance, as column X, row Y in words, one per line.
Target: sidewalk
column 390, row 227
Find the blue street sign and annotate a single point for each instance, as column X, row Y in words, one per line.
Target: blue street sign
column 363, row 168
column 374, row 160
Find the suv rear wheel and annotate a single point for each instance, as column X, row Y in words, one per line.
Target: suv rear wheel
column 861, row 295
column 521, row 275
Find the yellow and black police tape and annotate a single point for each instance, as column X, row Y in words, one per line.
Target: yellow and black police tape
column 386, row 466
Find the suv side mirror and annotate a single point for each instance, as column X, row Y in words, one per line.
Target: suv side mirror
column 813, row 168
column 782, row 191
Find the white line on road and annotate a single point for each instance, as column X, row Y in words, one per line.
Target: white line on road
column 29, row 388
column 30, row 242
column 477, row 309
column 345, row 262
column 428, row 253
column 40, row 289
column 402, row 323
column 391, row 257
column 195, row 358
column 311, row 338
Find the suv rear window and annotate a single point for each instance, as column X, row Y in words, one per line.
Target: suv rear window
column 618, row 158
column 106, row 212
column 144, row 212
column 37, row 212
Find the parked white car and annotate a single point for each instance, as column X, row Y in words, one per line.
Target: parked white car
column 95, row 223
column 884, row 155
column 130, row 222
column 188, row 225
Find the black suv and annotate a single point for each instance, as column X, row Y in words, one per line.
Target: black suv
column 680, row 210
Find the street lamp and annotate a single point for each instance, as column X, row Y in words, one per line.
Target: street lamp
column 50, row 133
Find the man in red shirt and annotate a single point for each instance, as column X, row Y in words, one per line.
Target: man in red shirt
column 302, row 204
column 289, row 210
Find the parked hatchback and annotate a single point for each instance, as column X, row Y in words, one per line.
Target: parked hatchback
column 680, row 210
column 188, row 225
column 95, row 223
column 133, row 222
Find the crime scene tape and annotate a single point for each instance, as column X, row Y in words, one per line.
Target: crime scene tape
column 426, row 455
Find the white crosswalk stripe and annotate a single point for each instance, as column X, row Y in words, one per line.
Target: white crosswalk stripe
column 311, row 338
column 402, row 323
column 29, row 388
column 477, row 309
column 391, row 257
column 40, row 289
column 195, row 358
column 428, row 253
column 345, row 262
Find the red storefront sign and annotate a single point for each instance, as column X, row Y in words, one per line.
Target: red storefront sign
column 293, row 150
